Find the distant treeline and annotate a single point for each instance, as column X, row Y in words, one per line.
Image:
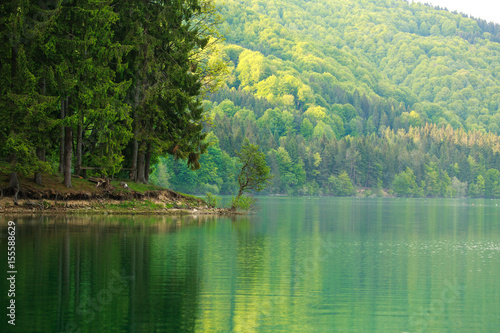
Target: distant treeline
column 422, row 161
column 486, row 26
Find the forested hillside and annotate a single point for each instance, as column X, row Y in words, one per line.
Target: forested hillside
column 374, row 94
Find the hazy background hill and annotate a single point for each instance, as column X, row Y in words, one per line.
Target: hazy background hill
column 322, row 86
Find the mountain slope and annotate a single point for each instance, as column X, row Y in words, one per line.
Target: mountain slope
column 372, row 93
column 386, row 48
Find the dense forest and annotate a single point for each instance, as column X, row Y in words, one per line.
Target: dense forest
column 103, row 85
column 370, row 95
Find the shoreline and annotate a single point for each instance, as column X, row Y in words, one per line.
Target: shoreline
column 110, row 207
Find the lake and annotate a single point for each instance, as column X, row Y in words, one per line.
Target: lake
column 297, row 265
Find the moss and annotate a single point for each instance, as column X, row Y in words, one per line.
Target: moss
column 137, row 187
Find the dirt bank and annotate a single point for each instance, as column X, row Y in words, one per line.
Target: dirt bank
column 92, row 196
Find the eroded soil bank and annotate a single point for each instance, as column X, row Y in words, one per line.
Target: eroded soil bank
column 90, row 197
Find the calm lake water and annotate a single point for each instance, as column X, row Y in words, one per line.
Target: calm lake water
column 298, row 265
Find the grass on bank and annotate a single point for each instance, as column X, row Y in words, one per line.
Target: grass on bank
column 52, row 183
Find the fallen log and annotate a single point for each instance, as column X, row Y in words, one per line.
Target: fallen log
column 104, row 183
column 95, row 179
column 32, row 204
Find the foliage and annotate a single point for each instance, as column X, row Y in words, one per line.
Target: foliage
column 169, row 70
column 369, row 88
column 254, row 174
column 405, row 184
column 216, row 175
column 397, row 64
column 369, row 93
column 443, row 161
column 477, row 189
column 459, row 188
column 341, row 185
column 242, row 202
column 121, row 82
column 211, row 200
column 25, row 123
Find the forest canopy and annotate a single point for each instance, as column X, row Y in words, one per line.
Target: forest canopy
column 104, row 84
column 343, row 97
column 370, row 94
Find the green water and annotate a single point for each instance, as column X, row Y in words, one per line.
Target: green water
column 298, row 265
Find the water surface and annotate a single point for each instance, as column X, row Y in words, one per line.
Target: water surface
column 298, row 265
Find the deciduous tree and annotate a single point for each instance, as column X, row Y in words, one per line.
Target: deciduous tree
column 254, row 174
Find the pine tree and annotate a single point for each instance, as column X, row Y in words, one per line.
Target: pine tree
column 167, row 73
column 25, row 117
column 86, row 62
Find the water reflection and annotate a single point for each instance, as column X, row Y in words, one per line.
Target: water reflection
column 68, row 268
column 299, row 265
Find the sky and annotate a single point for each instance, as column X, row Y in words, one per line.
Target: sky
column 488, row 10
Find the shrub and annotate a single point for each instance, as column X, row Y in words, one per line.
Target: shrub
column 243, row 202
column 212, row 200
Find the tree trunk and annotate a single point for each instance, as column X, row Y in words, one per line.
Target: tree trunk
column 14, row 181
column 240, row 193
column 14, row 184
column 61, row 137
column 79, row 139
column 135, row 150
column 68, row 150
column 141, row 167
column 40, row 153
column 147, row 163
column 135, row 147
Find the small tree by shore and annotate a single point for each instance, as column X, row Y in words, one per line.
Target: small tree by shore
column 254, row 174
